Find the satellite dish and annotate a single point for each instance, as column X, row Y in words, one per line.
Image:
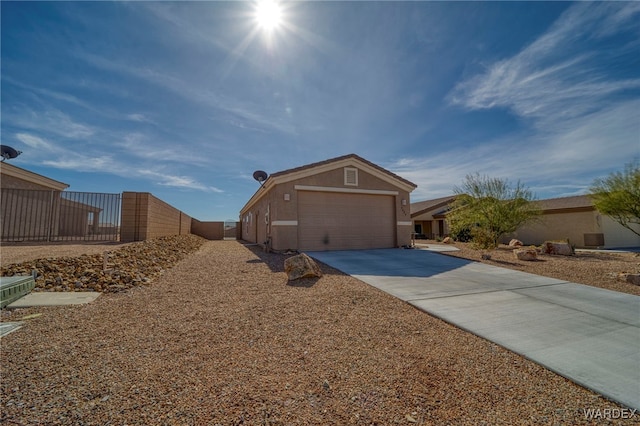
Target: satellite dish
column 260, row 176
column 7, row 152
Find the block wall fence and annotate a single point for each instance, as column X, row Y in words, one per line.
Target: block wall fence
column 145, row 216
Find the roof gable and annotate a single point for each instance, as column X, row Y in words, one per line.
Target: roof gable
column 439, row 204
column 350, row 160
column 334, row 163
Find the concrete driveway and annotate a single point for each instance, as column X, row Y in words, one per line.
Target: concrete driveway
column 586, row 334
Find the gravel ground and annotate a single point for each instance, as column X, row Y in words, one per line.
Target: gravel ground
column 22, row 252
column 223, row 339
column 594, row 268
column 112, row 270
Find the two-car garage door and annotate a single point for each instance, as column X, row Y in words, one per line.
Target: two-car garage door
column 343, row 221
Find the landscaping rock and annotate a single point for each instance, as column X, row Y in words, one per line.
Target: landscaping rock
column 447, row 240
column 528, row 254
column 633, row 279
column 135, row 264
column 515, row 243
column 301, row 266
column 629, row 278
column 559, row 248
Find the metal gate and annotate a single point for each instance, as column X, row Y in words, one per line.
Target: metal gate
column 44, row 215
column 231, row 229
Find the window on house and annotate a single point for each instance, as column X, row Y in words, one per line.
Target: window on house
column 350, row 176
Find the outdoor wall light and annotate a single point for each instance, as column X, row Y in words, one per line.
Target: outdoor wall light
column 287, row 197
column 404, row 202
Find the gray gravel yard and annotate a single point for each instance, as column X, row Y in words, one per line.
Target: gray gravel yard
column 223, row 339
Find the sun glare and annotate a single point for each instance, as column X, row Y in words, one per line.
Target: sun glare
column 268, row 14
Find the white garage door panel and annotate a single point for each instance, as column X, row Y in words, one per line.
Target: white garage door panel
column 339, row 221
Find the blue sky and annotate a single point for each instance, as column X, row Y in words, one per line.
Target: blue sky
column 185, row 100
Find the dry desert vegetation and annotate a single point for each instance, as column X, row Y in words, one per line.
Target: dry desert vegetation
column 222, row 338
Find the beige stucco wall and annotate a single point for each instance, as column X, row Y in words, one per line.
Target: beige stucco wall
column 559, row 226
column 284, row 236
column 617, row 235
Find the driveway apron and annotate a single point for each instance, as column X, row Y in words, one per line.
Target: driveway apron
column 586, row 334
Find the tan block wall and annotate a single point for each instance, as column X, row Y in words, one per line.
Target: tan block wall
column 208, row 230
column 145, row 216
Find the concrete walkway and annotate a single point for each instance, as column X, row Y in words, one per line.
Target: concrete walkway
column 586, row 334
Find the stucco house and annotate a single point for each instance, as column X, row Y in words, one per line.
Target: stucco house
column 30, row 203
column 577, row 219
column 36, row 207
column 574, row 218
column 429, row 217
column 339, row 204
column 14, row 177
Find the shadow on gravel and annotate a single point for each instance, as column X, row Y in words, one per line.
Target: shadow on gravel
column 303, row 282
column 275, row 262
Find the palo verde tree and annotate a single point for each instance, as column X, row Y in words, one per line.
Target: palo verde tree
column 489, row 208
column 618, row 196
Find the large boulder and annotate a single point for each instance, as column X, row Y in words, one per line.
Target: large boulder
column 526, row 254
column 629, row 278
column 555, row 247
column 301, row 266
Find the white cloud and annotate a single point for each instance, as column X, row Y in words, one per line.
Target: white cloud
column 258, row 115
column 556, row 77
column 81, row 163
column 178, row 181
column 49, row 122
column 35, row 142
column 141, row 118
column 550, row 162
column 583, row 120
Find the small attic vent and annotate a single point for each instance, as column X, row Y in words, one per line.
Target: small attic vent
column 350, row 176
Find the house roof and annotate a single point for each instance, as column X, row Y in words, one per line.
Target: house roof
column 574, row 203
column 428, row 205
column 327, row 165
column 28, row 176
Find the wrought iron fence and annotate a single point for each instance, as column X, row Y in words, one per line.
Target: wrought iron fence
column 43, row 215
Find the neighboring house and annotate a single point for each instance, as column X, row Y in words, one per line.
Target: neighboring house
column 13, row 177
column 36, row 207
column 30, row 203
column 338, row 204
column 574, row 218
column 429, row 217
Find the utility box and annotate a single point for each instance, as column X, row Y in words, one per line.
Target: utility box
column 594, row 240
column 13, row 288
